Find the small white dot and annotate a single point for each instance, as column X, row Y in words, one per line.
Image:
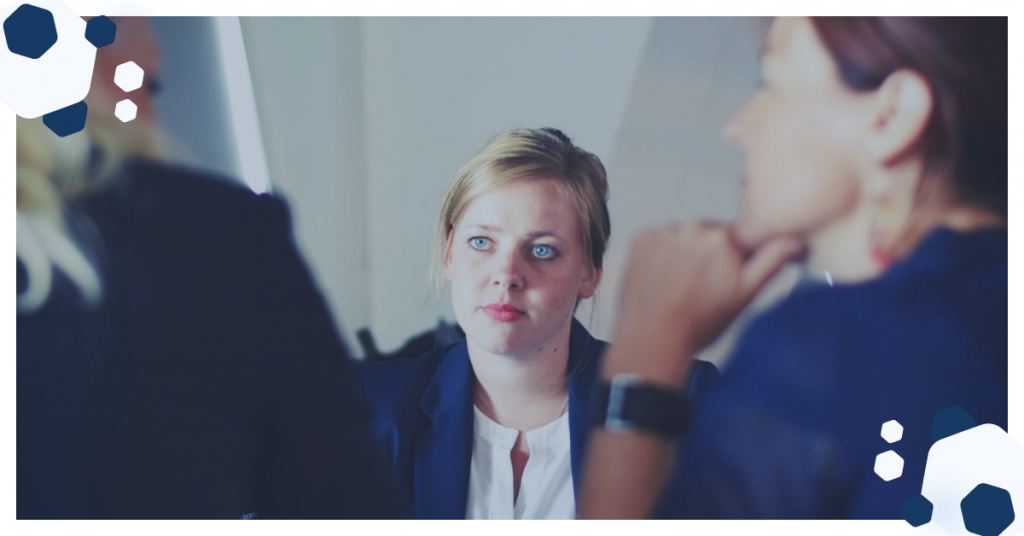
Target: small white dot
column 128, row 76
column 889, row 465
column 892, row 431
column 125, row 110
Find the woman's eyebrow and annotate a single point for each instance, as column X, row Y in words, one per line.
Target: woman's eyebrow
column 494, row 229
column 539, row 234
column 484, row 227
column 530, row 236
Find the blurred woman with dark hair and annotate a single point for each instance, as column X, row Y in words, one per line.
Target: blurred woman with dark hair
column 879, row 147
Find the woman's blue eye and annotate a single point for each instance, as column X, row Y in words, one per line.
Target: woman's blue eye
column 478, row 242
column 543, row 251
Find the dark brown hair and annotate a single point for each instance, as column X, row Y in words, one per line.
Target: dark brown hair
column 965, row 60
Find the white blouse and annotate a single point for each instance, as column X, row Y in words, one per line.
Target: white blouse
column 545, row 491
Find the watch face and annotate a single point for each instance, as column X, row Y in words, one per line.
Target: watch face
column 617, row 392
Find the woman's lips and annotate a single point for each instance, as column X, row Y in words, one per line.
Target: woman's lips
column 503, row 312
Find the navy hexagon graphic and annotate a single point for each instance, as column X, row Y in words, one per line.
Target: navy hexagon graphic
column 987, row 510
column 68, row 120
column 917, row 510
column 30, row 31
column 100, row 31
column 949, row 421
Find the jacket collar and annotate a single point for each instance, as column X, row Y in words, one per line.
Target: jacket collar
column 585, row 353
column 451, row 385
column 943, row 250
column 443, row 451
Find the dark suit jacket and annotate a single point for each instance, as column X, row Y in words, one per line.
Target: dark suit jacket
column 794, row 428
column 210, row 383
column 423, row 419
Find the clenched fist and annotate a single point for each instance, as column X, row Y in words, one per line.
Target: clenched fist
column 684, row 284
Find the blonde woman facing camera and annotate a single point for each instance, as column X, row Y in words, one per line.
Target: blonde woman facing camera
column 495, row 426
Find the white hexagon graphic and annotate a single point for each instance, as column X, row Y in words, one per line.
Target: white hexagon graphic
column 126, row 110
column 892, row 431
column 889, row 465
column 958, row 463
column 128, row 76
column 58, row 79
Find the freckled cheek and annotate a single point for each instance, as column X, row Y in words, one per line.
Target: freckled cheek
column 469, row 273
column 466, row 289
column 556, row 295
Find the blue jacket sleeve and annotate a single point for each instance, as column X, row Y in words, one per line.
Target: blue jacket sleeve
column 760, row 446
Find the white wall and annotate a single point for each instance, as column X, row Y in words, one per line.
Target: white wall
column 669, row 160
column 308, row 82
column 192, row 105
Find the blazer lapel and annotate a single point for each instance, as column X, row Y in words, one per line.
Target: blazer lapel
column 443, row 451
column 585, row 354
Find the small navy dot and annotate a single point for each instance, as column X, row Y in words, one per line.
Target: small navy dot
column 30, row 31
column 950, row 421
column 68, row 120
column 100, row 31
column 987, row 510
column 917, row 510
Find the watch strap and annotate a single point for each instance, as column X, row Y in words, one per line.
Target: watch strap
column 628, row 404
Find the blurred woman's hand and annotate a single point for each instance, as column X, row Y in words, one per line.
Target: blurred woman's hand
column 685, row 283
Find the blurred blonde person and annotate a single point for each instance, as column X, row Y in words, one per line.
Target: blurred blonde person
column 174, row 357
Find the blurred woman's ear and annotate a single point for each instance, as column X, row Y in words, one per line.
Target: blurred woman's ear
column 902, row 110
column 590, row 283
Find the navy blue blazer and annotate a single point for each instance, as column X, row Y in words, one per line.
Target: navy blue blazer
column 210, row 383
column 793, row 428
column 422, row 416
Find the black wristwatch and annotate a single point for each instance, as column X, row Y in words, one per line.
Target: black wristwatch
column 628, row 404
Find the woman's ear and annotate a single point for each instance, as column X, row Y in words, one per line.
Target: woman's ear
column 903, row 108
column 448, row 254
column 590, row 282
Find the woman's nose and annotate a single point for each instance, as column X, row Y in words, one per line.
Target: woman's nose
column 507, row 273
